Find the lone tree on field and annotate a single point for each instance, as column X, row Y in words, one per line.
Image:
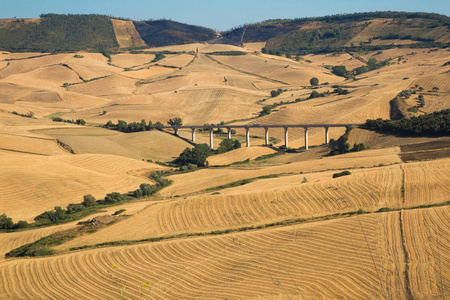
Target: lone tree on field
column 314, row 81
column 175, row 121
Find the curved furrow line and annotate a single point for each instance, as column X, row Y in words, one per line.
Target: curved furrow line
column 96, row 274
column 164, row 223
column 319, row 258
column 67, row 277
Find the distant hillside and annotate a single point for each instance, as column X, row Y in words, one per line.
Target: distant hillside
column 377, row 30
column 167, row 32
column 359, row 31
column 58, row 33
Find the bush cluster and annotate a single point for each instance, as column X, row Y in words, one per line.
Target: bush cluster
column 196, row 156
column 274, row 93
column 344, row 173
column 228, row 145
column 341, row 146
column 73, row 210
column 7, row 223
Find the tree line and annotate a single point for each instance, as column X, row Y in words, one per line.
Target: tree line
column 435, row 124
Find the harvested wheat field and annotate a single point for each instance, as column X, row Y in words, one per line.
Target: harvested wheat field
column 29, row 144
column 259, row 222
column 208, row 178
column 363, row 257
column 91, row 66
column 263, row 201
column 239, row 155
column 109, row 86
column 139, row 145
column 126, row 60
column 278, row 199
column 31, row 184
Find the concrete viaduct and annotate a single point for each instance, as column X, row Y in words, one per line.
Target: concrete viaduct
column 254, row 126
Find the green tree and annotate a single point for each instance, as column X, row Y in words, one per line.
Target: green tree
column 88, row 200
column 122, row 126
column 138, row 193
column 196, row 156
column 81, row 122
column 5, row 222
column 21, row 224
column 147, row 189
column 267, row 109
column 73, row 208
column 314, row 81
column 175, row 121
column 339, row 71
column 372, row 63
column 143, row 126
column 113, row 198
column 314, row 94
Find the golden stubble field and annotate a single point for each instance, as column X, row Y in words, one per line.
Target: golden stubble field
column 280, row 236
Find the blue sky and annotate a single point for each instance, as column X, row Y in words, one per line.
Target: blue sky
column 219, row 15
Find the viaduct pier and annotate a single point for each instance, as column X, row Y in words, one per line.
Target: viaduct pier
column 286, row 127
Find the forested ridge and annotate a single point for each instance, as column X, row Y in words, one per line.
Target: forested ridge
column 55, row 32
column 60, row 32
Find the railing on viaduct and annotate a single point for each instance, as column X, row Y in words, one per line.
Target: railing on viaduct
column 254, row 126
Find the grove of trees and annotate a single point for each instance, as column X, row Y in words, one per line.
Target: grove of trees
column 228, row 145
column 435, row 124
column 196, row 156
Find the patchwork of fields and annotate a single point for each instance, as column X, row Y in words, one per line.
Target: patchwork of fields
column 259, row 222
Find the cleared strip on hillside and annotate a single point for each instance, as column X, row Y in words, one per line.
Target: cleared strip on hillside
column 126, row 34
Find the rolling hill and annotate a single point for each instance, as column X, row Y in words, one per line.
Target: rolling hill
column 374, row 31
column 259, row 222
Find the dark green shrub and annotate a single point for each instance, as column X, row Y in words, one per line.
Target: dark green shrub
column 73, row 208
column 344, row 173
column 147, row 189
column 113, row 198
column 138, row 193
column 314, row 81
column 119, row 212
column 88, row 200
column 21, row 224
column 81, row 122
column 267, row 109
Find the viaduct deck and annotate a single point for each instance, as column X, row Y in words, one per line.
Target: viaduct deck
column 254, row 126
